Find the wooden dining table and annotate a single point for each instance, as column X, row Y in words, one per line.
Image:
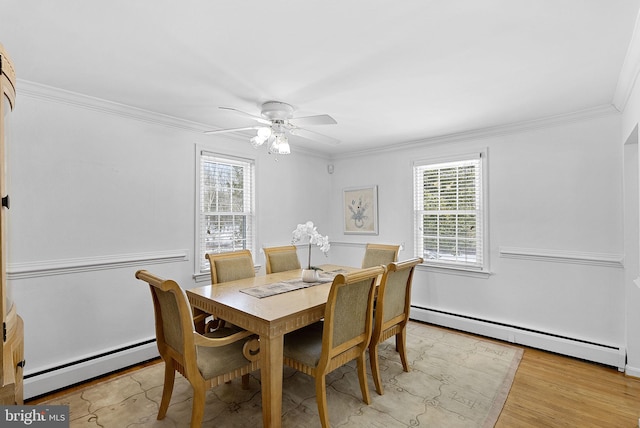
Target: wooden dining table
column 271, row 318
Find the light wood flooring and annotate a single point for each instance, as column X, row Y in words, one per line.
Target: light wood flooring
column 549, row 390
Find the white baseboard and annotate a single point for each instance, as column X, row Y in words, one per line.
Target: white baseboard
column 632, row 371
column 607, row 354
column 55, row 379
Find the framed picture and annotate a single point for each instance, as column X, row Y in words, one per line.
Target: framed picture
column 360, row 206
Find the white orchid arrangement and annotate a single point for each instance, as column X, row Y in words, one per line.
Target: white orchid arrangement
column 308, row 230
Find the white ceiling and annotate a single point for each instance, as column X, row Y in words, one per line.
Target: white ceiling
column 389, row 72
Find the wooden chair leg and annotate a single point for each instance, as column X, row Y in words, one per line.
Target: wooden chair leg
column 375, row 367
column 167, row 389
column 245, row 381
column 197, row 410
column 321, row 399
column 362, row 376
column 401, row 344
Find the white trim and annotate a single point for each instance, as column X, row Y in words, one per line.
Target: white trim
column 48, row 93
column 494, row 131
column 629, row 71
column 348, row 244
column 55, row 379
column 632, row 371
column 86, row 264
column 606, row 353
column 452, row 269
column 562, row 256
column 61, row 96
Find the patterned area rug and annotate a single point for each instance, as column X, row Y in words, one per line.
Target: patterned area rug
column 455, row 381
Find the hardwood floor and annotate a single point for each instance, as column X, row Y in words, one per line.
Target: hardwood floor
column 556, row 391
column 549, row 390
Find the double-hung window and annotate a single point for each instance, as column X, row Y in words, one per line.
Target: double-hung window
column 449, row 212
column 226, row 214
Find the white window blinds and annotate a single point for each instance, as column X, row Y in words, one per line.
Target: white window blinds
column 226, row 205
column 449, row 211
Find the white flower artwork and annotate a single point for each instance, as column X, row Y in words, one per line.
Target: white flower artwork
column 361, row 210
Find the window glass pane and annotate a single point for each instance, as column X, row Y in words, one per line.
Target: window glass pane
column 431, row 225
column 449, row 208
column 226, row 206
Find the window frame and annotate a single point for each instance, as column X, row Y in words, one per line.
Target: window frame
column 201, row 268
column 482, row 211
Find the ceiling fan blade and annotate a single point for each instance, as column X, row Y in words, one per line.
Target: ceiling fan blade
column 314, row 136
column 222, row 131
column 321, row 119
column 254, row 117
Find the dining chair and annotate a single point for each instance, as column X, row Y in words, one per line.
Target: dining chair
column 280, row 259
column 391, row 313
column 380, row 254
column 226, row 267
column 230, row 266
column 343, row 336
column 206, row 360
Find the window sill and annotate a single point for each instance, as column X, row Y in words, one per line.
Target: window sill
column 454, row 270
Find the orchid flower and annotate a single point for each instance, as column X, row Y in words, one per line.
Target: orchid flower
column 308, row 230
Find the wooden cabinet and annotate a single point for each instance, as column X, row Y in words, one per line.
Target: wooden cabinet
column 12, row 332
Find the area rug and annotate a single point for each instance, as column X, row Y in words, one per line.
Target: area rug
column 455, row 380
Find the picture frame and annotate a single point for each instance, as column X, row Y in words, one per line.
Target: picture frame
column 360, row 210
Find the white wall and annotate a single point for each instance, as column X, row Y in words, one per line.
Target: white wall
column 99, row 191
column 630, row 119
column 555, row 228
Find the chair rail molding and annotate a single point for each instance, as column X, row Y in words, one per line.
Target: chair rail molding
column 86, row 264
column 562, row 256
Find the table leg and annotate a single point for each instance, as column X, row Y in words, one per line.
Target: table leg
column 271, row 349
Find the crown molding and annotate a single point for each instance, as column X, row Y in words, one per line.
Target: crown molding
column 630, row 69
column 75, row 99
column 493, row 131
column 52, row 94
column 49, row 93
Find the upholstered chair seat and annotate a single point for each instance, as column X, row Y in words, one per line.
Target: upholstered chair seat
column 213, row 362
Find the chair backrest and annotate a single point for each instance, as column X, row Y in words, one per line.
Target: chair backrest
column 280, row 259
column 173, row 320
column 230, row 266
column 394, row 295
column 380, row 254
column 349, row 313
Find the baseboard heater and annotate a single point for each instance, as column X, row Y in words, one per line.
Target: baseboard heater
column 606, row 354
column 54, row 378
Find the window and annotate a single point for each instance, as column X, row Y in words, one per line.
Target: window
column 449, row 212
column 226, row 205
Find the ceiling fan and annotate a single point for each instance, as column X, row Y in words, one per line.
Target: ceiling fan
column 276, row 121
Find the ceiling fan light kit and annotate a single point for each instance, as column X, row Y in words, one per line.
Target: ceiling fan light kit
column 277, row 118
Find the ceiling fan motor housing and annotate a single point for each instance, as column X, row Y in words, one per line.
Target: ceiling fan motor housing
column 276, row 110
